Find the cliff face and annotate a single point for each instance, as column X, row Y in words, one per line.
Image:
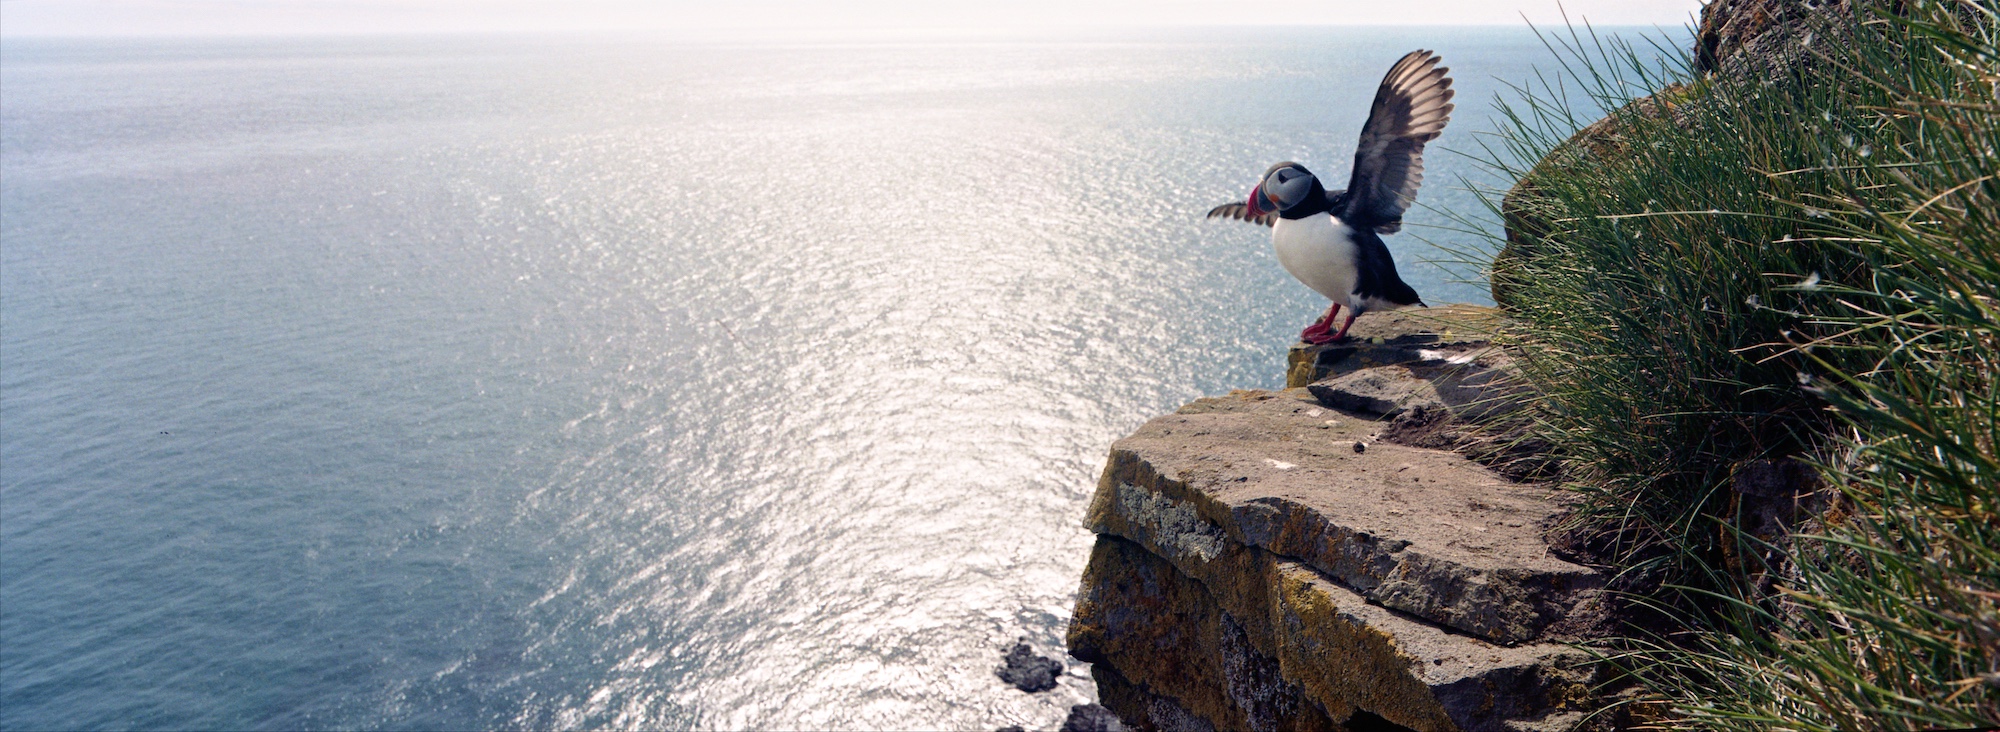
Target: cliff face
column 1314, row 558
column 1265, row 562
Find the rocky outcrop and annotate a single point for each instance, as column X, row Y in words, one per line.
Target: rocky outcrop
column 1763, row 36
column 1024, row 670
column 1265, row 562
column 1358, row 551
column 1091, row 718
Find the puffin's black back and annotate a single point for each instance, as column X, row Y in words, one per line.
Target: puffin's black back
column 1377, row 276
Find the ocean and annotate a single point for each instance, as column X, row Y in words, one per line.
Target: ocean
column 627, row 382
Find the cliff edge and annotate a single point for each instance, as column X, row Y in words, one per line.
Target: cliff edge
column 1266, row 560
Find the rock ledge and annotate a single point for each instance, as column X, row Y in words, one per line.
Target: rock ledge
column 1255, row 571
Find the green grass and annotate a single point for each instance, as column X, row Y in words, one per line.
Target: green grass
column 1794, row 266
column 1658, row 254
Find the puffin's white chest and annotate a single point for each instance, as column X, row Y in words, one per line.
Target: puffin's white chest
column 1317, row 249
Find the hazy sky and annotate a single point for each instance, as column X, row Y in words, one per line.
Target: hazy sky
column 203, row 17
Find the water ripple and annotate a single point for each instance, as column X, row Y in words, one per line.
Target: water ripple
column 511, row 383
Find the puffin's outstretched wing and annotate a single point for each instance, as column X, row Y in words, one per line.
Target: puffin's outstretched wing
column 1241, row 212
column 1411, row 108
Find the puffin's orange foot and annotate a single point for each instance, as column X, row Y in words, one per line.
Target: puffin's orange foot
column 1317, row 332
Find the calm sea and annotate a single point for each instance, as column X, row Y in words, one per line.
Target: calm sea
column 456, row 383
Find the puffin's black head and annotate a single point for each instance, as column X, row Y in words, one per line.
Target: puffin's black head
column 1284, row 188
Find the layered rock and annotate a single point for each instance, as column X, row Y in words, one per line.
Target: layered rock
column 1265, row 563
column 1172, row 655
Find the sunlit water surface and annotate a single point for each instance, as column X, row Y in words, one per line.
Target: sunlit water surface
column 617, row 382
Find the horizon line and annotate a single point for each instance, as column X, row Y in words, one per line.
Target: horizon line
column 742, row 31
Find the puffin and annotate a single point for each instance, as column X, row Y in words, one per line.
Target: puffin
column 1332, row 240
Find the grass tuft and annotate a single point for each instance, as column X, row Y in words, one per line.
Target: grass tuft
column 1739, row 272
